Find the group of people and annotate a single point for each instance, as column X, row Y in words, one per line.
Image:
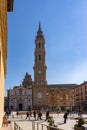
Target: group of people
column 36, row 114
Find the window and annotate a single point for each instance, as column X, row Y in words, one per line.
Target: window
column 39, row 45
column 20, row 99
column 39, row 57
column 11, row 107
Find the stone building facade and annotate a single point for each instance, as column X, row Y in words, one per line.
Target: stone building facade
column 5, row 103
column 3, row 51
column 61, row 96
column 20, row 97
column 41, row 94
column 80, row 97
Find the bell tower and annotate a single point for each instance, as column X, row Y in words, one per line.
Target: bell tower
column 39, row 54
column 40, row 83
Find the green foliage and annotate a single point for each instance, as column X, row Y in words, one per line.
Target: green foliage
column 80, row 122
column 50, row 121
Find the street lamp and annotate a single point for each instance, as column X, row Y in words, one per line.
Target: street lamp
column 47, row 94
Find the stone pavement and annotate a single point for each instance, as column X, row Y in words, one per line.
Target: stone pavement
column 9, row 127
column 27, row 124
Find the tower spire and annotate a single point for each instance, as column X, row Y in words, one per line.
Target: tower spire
column 39, row 29
column 39, row 25
column 39, row 32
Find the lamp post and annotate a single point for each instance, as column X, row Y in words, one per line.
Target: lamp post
column 47, row 94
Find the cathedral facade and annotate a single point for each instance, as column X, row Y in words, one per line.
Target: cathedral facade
column 20, row 97
column 38, row 94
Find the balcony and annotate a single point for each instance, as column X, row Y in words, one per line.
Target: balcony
column 10, row 5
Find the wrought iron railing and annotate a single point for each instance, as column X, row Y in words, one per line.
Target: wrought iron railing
column 36, row 126
column 17, row 127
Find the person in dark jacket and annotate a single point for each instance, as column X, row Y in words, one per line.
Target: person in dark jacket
column 17, row 113
column 65, row 117
column 34, row 113
column 27, row 115
column 39, row 115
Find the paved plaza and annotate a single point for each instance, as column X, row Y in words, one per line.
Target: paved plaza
column 7, row 128
column 58, row 118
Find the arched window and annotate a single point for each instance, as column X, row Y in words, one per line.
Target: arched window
column 39, row 45
column 39, row 57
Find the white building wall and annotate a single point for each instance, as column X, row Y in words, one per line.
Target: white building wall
column 25, row 95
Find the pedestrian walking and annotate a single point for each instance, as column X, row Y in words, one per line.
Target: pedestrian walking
column 17, row 113
column 39, row 115
column 34, row 113
column 65, row 117
column 27, row 115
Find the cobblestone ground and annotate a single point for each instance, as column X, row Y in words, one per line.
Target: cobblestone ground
column 59, row 121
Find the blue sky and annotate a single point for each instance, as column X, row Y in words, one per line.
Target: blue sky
column 64, row 25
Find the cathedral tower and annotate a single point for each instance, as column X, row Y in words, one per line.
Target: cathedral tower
column 39, row 66
column 40, row 83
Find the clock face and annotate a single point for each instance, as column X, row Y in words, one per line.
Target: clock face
column 39, row 95
column 39, row 71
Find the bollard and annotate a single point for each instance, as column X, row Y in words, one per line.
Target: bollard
column 42, row 126
column 37, row 126
column 33, row 125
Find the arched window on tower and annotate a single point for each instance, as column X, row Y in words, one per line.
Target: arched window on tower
column 39, row 45
column 39, row 57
